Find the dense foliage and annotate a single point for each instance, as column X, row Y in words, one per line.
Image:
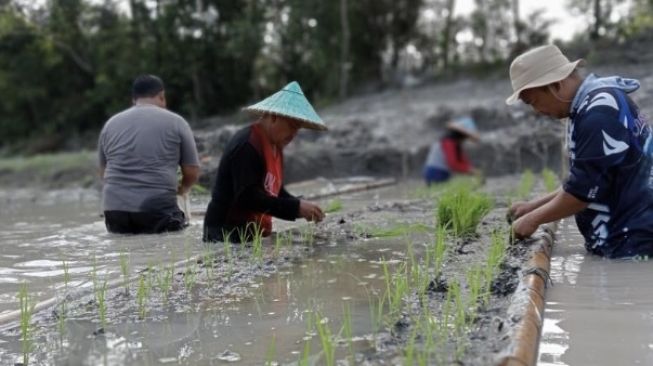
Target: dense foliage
column 67, row 65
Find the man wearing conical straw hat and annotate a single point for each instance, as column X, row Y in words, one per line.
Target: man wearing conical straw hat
column 609, row 187
column 249, row 188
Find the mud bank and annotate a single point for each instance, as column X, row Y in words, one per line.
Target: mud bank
column 352, row 254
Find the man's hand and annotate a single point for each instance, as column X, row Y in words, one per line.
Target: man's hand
column 310, row 211
column 524, row 227
column 519, row 209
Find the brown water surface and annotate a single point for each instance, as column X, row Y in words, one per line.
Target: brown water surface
column 599, row 311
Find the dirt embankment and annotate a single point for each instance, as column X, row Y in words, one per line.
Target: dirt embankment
column 388, row 134
column 382, row 134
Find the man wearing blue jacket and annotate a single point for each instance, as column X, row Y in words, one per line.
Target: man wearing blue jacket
column 610, row 184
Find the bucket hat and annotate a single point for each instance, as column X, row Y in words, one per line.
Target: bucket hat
column 538, row 67
column 465, row 125
column 290, row 102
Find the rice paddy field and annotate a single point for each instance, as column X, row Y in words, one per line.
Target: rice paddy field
column 397, row 275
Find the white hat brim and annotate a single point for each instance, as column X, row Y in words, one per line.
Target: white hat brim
column 546, row 79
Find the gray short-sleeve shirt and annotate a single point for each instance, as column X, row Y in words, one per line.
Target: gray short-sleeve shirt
column 141, row 149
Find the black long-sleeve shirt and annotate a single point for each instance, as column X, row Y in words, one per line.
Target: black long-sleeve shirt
column 239, row 191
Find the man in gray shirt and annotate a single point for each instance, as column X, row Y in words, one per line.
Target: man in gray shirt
column 139, row 151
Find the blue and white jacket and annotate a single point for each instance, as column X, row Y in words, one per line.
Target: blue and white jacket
column 609, row 144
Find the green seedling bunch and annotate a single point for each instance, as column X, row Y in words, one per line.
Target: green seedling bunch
column 190, row 275
column 334, row 205
column 460, row 209
column 164, row 280
column 526, row 184
column 550, row 180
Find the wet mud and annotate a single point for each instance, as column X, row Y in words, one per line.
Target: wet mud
column 316, row 269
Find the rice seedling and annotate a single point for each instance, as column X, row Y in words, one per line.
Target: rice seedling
column 326, row 339
column 459, row 317
column 377, row 306
column 271, row 352
column 347, row 330
column 409, row 351
column 164, row 280
column 124, row 269
column 190, row 276
column 475, row 285
column 141, row 295
column 526, row 184
column 460, row 209
column 242, row 235
column 208, row 263
column 396, row 287
column 334, row 205
column 307, row 234
column 101, row 303
column 26, row 311
column 306, row 352
column 257, row 243
column 439, row 250
column 496, row 254
column 550, row 180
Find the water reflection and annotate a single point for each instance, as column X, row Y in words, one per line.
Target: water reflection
column 598, row 311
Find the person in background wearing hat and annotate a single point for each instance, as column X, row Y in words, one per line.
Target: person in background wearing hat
column 139, row 151
column 249, row 188
column 609, row 188
column 446, row 156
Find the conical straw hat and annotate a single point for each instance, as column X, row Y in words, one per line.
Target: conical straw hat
column 290, row 102
column 465, row 125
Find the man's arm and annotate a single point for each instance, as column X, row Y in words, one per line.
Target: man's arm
column 521, row 208
column 189, row 176
column 561, row 205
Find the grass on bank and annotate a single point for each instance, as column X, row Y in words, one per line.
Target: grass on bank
column 49, row 162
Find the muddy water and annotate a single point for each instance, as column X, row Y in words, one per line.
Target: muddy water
column 599, row 311
column 38, row 231
column 245, row 330
column 38, row 234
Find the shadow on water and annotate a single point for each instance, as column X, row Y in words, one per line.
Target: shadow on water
column 599, row 311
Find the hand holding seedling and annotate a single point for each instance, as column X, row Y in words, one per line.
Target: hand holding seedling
column 518, row 209
column 310, row 211
column 524, row 227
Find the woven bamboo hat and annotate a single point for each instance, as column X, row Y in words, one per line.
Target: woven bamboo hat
column 465, row 125
column 538, row 67
column 290, row 102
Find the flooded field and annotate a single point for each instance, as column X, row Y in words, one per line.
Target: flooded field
column 598, row 311
column 367, row 286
